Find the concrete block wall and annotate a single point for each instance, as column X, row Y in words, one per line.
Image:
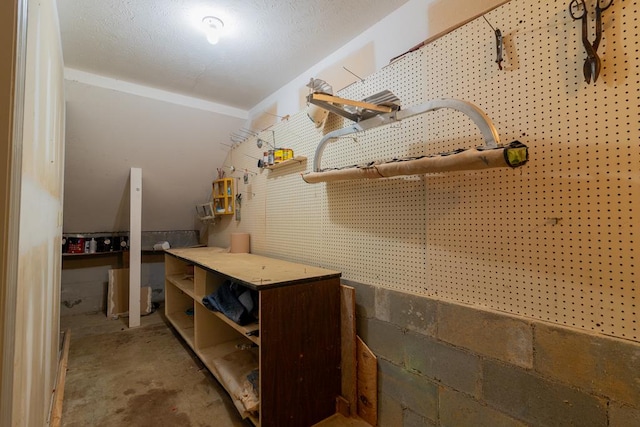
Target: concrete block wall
column 85, row 281
column 446, row 364
column 85, row 278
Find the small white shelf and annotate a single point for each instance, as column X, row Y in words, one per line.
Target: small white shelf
column 295, row 160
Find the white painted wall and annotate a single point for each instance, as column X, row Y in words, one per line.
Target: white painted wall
column 176, row 141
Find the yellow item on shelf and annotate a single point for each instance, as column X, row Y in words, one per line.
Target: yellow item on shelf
column 282, row 154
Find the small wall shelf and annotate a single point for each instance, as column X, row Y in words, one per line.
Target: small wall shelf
column 223, row 197
column 296, row 160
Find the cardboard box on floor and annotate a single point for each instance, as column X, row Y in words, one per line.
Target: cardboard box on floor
column 118, row 295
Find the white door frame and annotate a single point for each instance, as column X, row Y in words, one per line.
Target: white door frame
column 10, row 225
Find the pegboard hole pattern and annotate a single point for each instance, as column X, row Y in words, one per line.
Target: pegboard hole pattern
column 553, row 240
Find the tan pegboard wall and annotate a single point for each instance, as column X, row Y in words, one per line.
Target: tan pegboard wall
column 404, row 80
column 553, row 240
column 293, row 230
column 253, row 203
column 374, row 231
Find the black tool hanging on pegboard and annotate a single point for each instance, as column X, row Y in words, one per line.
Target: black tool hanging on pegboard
column 499, row 43
column 578, row 11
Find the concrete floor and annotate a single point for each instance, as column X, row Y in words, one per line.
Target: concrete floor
column 138, row 377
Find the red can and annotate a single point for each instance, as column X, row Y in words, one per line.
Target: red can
column 75, row 245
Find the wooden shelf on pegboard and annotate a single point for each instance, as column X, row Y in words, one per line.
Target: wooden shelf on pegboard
column 296, row 160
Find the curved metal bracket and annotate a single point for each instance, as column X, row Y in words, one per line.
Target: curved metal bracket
column 488, row 130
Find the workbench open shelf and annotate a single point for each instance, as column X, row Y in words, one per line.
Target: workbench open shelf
column 211, row 324
column 181, row 275
column 205, row 283
column 230, row 357
column 209, row 354
column 179, row 311
column 183, row 282
column 299, row 306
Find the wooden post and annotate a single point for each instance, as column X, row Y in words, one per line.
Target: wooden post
column 367, row 383
column 135, row 246
column 56, row 413
column 348, row 346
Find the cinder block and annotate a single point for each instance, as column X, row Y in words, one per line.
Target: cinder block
column 385, row 340
column 365, row 298
column 621, row 415
column 410, row 390
column 382, row 305
column 460, row 410
column 390, row 411
column 84, row 289
column 152, row 275
column 413, row 312
column 362, row 328
column 537, row 401
column 442, row 363
column 411, row 419
column 602, row 365
column 495, row 335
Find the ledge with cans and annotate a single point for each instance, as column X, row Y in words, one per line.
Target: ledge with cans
column 94, row 243
column 118, row 241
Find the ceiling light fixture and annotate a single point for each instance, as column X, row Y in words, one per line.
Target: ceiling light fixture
column 212, row 28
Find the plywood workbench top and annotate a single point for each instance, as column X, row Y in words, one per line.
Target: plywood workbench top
column 254, row 271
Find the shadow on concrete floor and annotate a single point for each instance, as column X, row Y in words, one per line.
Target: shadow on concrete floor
column 146, row 376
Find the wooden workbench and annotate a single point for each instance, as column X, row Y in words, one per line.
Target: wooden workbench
column 295, row 343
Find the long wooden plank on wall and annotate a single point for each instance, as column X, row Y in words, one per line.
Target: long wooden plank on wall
column 135, row 246
column 9, row 201
column 349, row 370
column 56, row 413
column 118, row 295
column 367, row 383
column 339, row 420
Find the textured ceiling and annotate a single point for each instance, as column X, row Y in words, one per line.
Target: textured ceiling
column 159, row 43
